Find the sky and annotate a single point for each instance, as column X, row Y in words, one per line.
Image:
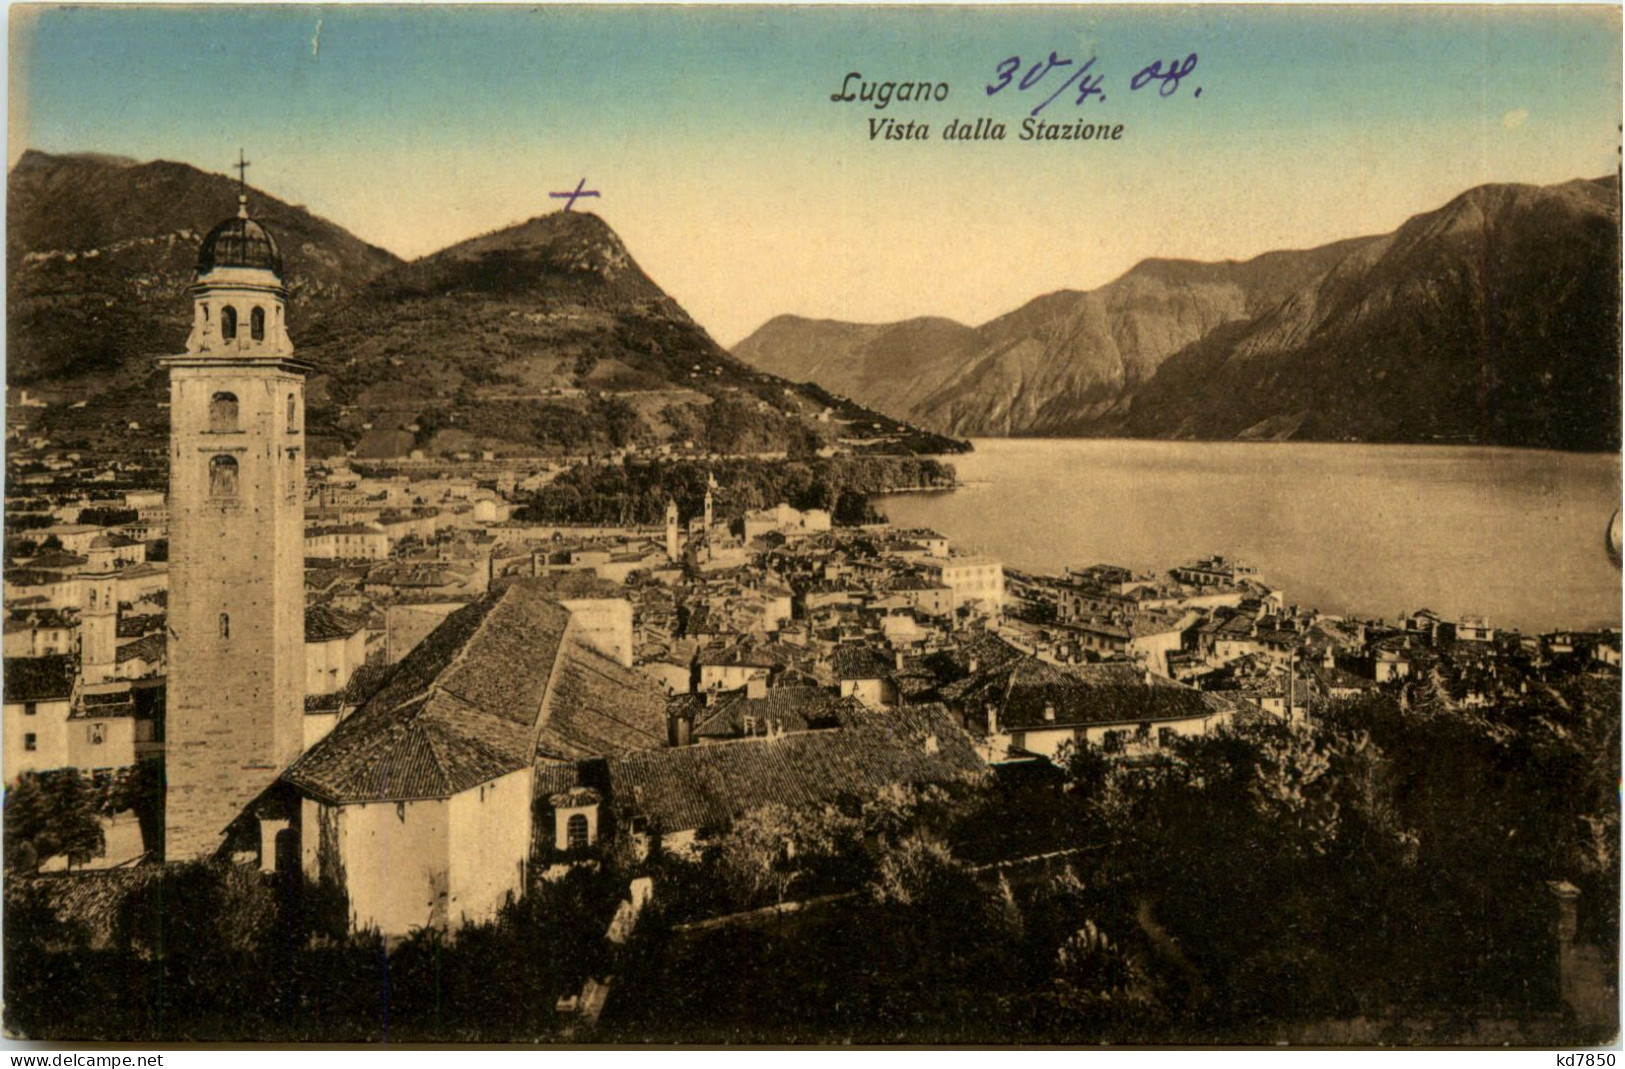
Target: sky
column 746, row 192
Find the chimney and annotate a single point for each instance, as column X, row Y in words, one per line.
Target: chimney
column 898, row 660
column 679, row 728
column 971, row 665
column 756, row 687
column 1049, row 711
column 931, row 746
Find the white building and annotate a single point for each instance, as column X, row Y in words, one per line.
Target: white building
column 420, row 802
column 972, row 579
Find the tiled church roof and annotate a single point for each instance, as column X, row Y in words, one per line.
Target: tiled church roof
column 495, row 685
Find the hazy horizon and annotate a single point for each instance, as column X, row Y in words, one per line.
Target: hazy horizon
column 746, row 193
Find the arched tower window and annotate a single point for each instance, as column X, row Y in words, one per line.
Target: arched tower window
column 223, row 477
column 575, row 832
column 228, row 322
column 223, row 412
column 293, row 413
column 225, row 626
column 256, row 324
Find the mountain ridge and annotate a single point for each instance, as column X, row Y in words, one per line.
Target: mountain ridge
column 1141, row 355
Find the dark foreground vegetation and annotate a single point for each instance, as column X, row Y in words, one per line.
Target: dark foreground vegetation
column 1388, row 863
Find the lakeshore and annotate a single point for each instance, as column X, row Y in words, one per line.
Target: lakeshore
column 1518, row 535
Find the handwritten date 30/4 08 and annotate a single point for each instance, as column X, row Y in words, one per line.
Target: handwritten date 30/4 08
column 1047, row 79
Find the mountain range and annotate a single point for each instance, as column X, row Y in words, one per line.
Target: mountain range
column 1493, row 319
column 545, row 336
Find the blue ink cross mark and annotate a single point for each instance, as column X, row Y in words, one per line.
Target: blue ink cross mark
column 570, row 197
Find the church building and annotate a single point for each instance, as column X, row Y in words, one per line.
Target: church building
column 419, row 803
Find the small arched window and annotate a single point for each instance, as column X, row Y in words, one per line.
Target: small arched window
column 575, row 832
column 293, row 413
column 256, row 324
column 228, row 322
column 225, row 625
column 223, row 412
column 223, row 477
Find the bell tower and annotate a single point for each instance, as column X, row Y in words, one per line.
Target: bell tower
column 235, row 705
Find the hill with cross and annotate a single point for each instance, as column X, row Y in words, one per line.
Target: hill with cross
column 542, row 337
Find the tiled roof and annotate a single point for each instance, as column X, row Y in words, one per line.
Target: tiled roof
column 460, row 710
column 39, row 679
column 322, row 704
column 323, row 624
column 706, row 786
column 108, row 705
column 149, row 648
column 59, row 559
column 1034, row 686
column 135, row 625
column 365, row 681
column 496, row 685
column 860, row 662
column 597, row 707
column 796, row 708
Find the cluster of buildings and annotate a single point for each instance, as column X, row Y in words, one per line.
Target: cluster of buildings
column 387, row 681
column 1217, row 627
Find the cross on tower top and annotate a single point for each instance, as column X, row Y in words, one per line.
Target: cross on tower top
column 242, row 184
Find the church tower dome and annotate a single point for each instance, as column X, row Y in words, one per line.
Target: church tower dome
column 239, row 242
column 238, row 299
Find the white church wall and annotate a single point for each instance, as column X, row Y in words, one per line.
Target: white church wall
column 394, row 857
column 489, row 845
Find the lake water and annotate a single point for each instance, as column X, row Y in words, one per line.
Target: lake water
column 1515, row 534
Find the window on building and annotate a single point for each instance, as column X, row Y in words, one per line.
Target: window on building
column 96, row 734
column 223, row 476
column 228, row 322
column 223, row 412
column 30, row 708
column 225, row 625
column 1166, row 736
column 575, row 832
column 1143, row 731
column 293, row 413
column 1112, row 741
column 30, row 741
column 256, row 324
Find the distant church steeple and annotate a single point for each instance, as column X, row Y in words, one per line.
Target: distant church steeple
column 235, row 715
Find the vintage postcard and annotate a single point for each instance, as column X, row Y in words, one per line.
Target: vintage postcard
column 813, row 525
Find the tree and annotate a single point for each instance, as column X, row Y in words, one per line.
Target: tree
column 51, row 813
column 108, row 516
column 771, row 848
